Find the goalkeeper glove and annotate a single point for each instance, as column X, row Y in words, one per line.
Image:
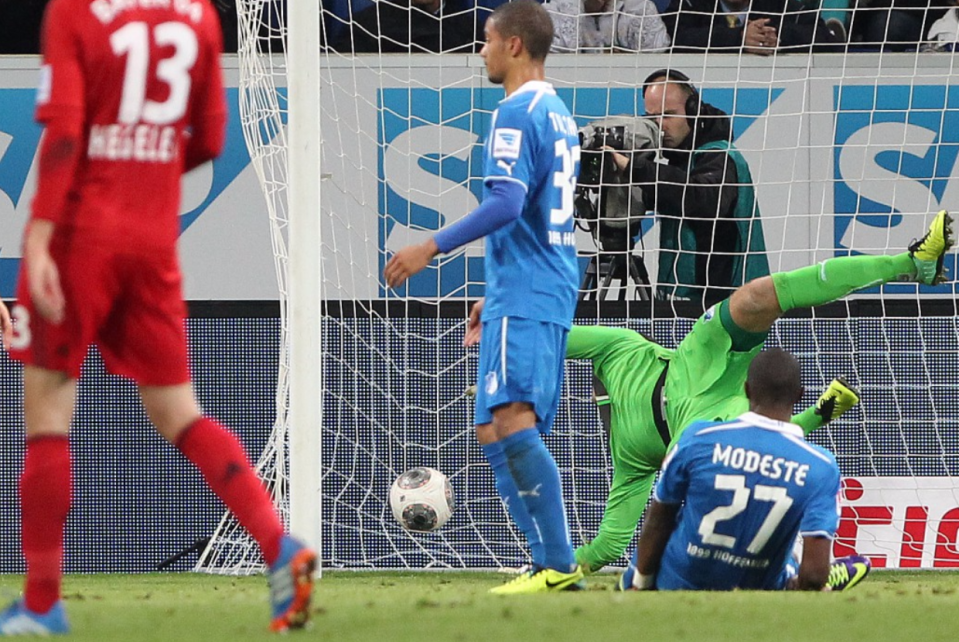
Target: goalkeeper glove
column 839, row 397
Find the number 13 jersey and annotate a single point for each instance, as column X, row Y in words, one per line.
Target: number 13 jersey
column 136, row 79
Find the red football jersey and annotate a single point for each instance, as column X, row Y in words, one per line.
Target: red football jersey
column 139, row 77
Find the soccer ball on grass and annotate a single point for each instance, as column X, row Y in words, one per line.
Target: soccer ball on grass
column 422, row 499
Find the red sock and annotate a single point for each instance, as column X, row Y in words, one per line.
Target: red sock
column 221, row 459
column 44, row 503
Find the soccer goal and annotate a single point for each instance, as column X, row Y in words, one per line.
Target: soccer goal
column 361, row 154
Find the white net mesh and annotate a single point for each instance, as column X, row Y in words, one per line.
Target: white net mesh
column 848, row 151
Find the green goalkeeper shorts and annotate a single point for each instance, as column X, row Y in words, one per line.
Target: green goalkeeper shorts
column 706, row 378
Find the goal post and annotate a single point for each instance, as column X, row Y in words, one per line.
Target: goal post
column 849, row 153
column 306, row 241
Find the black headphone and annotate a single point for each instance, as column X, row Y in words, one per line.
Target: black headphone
column 693, row 102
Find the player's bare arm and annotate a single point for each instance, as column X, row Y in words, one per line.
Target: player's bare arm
column 659, row 525
column 409, row 261
column 43, row 277
column 814, row 568
column 474, row 329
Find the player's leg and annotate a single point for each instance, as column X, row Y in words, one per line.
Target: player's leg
column 755, row 306
column 48, row 404
column 539, row 488
column 144, row 340
column 628, row 494
column 508, row 492
column 521, row 374
column 52, row 355
column 221, row 459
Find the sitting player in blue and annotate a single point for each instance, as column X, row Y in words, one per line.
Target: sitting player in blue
column 733, row 495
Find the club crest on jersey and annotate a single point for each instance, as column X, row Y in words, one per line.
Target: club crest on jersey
column 492, row 383
column 506, row 143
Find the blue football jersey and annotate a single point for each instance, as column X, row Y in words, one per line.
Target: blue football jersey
column 531, row 267
column 747, row 487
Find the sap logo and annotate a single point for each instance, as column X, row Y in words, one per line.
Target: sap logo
column 431, row 167
column 894, row 156
column 19, row 144
column 430, row 163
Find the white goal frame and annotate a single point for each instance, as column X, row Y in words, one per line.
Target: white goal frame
column 306, row 378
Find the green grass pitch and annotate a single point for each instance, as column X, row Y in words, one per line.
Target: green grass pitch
column 440, row 607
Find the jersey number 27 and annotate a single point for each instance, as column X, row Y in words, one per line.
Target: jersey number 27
column 776, row 495
column 133, row 41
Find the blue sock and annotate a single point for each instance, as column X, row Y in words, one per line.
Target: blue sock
column 537, row 482
column 506, row 488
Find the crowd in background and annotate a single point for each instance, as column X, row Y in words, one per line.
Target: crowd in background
column 20, row 25
column 759, row 27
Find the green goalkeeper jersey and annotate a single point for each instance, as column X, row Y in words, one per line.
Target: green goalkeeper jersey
column 628, row 365
column 705, row 380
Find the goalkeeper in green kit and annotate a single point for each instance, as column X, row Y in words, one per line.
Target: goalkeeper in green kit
column 652, row 393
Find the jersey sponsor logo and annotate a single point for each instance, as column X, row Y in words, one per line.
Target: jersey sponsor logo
column 430, row 160
column 894, row 160
column 507, row 143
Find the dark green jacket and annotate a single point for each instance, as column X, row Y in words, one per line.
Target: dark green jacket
column 734, row 237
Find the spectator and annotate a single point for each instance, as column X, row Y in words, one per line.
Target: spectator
column 760, row 27
column 944, row 32
column 711, row 239
column 228, row 23
column 896, row 25
column 414, row 26
column 606, row 25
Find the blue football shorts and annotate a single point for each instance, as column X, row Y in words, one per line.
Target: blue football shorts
column 520, row 360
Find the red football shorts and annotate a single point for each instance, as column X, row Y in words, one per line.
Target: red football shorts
column 130, row 306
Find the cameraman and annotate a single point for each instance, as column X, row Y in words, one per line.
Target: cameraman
column 711, row 238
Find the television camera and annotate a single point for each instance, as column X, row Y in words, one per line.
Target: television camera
column 609, row 206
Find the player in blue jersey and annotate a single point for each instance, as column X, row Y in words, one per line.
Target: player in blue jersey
column 530, row 171
column 733, row 495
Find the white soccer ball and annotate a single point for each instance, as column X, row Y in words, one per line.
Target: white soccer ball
column 422, row 499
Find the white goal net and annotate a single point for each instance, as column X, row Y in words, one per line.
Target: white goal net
column 849, row 152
